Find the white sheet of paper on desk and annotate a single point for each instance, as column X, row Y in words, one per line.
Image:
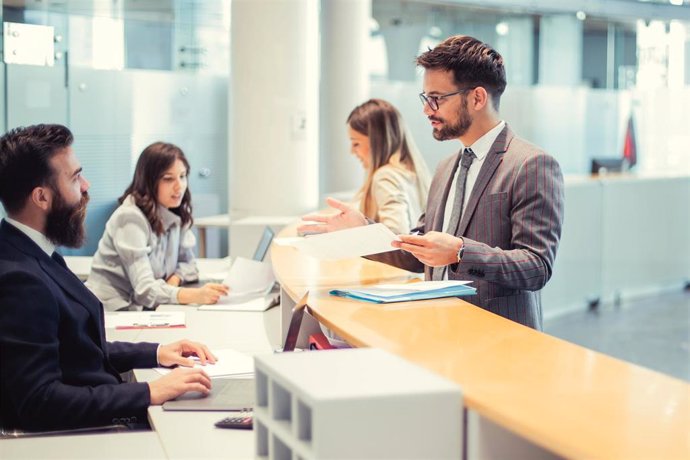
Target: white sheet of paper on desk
column 230, row 363
column 144, row 319
column 345, row 244
column 258, row 304
column 248, row 278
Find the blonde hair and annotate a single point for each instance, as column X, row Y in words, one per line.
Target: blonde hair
column 388, row 135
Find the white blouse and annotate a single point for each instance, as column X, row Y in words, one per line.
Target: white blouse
column 398, row 201
column 132, row 262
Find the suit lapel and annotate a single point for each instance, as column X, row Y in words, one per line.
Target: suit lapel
column 446, row 178
column 64, row 278
column 493, row 159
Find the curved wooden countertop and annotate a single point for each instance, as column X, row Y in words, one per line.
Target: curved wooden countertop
column 565, row 398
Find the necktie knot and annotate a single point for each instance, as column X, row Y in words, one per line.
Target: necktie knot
column 467, row 157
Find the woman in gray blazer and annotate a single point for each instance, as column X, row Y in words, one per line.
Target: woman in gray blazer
column 395, row 190
column 146, row 252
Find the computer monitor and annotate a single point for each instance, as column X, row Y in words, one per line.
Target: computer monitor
column 608, row 165
column 264, row 244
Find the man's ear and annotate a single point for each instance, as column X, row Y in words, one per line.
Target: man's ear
column 480, row 98
column 42, row 197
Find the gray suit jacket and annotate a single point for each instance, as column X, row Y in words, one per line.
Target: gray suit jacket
column 511, row 227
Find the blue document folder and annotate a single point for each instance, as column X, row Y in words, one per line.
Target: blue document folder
column 387, row 293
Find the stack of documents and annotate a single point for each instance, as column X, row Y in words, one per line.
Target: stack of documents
column 250, row 282
column 144, row 319
column 230, row 363
column 386, row 293
column 344, row 244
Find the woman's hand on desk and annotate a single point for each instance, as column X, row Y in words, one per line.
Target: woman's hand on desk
column 174, row 280
column 178, row 382
column 205, row 295
column 346, row 217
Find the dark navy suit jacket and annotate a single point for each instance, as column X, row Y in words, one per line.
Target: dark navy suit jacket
column 56, row 369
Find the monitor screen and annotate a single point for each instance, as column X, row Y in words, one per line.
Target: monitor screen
column 264, row 244
column 607, row 165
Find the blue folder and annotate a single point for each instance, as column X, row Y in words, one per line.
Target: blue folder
column 406, row 292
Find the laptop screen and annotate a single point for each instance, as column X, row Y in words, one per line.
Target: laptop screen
column 295, row 323
column 264, row 244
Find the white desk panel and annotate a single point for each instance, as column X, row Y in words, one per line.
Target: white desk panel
column 110, row 446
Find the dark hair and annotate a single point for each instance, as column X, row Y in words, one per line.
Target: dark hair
column 381, row 122
column 151, row 166
column 473, row 63
column 25, row 154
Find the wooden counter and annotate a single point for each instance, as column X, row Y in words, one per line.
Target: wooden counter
column 569, row 400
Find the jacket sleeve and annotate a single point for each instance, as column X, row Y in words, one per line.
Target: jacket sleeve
column 125, row 356
column 130, row 239
column 536, row 218
column 186, row 268
column 31, row 379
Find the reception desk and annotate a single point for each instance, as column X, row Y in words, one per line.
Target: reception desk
column 526, row 394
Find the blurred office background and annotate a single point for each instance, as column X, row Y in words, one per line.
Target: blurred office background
column 256, row 92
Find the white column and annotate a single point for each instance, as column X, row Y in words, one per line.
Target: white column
column 515, row 42
column 273, row 115
column 344, row 85
column 560, row 50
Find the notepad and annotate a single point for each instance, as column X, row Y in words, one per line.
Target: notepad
column 387, row 293
column 230, row 363
column 145, row 320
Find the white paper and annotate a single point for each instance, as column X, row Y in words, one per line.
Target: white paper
column 259, row 304
column 345, row 244
column 248, row 278
column 230, row 363
column 390, row 290
column 135, row 319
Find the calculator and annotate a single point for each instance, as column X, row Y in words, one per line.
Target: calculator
column 242, row 421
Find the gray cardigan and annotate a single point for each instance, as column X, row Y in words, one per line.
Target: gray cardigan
column 132, row 262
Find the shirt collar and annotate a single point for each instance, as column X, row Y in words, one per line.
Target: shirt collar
column 482, row 145
column 168, row 218
column 37, row 237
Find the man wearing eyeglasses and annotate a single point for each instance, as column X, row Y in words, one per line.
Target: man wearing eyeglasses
column 495, row 209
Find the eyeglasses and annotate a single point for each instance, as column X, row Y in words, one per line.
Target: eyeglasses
column 433, row 100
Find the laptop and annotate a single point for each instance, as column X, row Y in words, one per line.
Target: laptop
column 264, row 244
column 236, row 394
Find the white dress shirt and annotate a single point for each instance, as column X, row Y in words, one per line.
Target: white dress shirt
column 35, row 236
column 480, row 148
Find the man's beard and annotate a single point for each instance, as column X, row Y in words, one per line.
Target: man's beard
column 456, row 130
column 65, row 222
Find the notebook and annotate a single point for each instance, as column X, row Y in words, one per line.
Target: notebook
column 226, row 394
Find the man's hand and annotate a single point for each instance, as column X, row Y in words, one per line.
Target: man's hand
column 178, row 353
column 178, row 382
column 346, row 217
column 434, row 249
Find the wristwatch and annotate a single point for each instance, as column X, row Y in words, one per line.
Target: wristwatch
column 461, row 251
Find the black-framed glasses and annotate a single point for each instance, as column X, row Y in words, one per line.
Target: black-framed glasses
column 433, row 100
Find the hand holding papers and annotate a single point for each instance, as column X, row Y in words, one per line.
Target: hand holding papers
column 344, row 244
column 386, row 293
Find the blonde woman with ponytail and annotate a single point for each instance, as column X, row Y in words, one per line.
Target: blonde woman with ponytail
column 397, row 183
